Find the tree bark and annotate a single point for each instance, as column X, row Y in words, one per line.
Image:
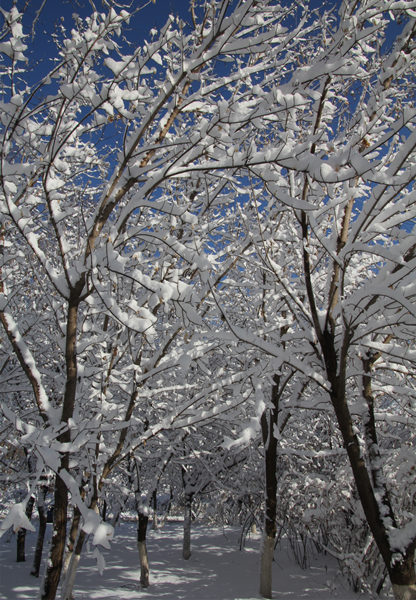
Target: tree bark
column 404, row 592
column 72, row 567
column 401, row 570
column 37, row 559
column 72, row 537
column 154, row 506
column 21, row 534
column 142, row 547
column 104, row 511
column 53, row 572
column 74, row 550
column 187, row 523
column 56, row 554
column 403, row 576
column 266, row 564
column 269, row 420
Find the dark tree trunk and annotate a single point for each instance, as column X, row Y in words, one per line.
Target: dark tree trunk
column 154, row 507
column 37, row 559
column 21, row 534
column 401, row 571
column 400, row 566
column 104, row 511
column 53, row 572
column 142, row 547
column 187, row 523
column 142, row 522
column 269, row 421
column 56, row 554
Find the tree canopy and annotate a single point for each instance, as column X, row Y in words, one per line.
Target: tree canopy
column 207, row 243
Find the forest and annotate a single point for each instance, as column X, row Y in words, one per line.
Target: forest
column 207, row 278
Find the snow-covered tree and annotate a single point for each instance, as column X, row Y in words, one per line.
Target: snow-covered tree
column 330, row 227
column 237, row 190
column 110, row 202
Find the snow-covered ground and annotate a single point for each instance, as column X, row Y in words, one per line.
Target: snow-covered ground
column 217, row 570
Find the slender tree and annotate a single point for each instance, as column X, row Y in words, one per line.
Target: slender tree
column 340, row 205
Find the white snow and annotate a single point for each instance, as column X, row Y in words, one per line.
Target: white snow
column 217, row 569
column 16, row 519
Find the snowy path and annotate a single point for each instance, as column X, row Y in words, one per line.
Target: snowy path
column 217, row 570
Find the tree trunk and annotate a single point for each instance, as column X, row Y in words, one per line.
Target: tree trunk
column 404, row 592
column 266, row 564
column 154, row 506
column 376, row 507
column 142, row 547
column 20, row 545
column 268, row 426
column 53, row 571
column 104, row 511
column 186, row 550
column 74, row 550
column 142, row 522
column 72, row 567
column 402, row 572
column 37, row 559
column 21, row 534
column 56, row 554
column 72, row 537
column 403, row 577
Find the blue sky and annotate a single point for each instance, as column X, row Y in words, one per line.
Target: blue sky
column 153, row 15
column 56, row 12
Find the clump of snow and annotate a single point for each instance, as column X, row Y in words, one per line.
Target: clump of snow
column 16, row 519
